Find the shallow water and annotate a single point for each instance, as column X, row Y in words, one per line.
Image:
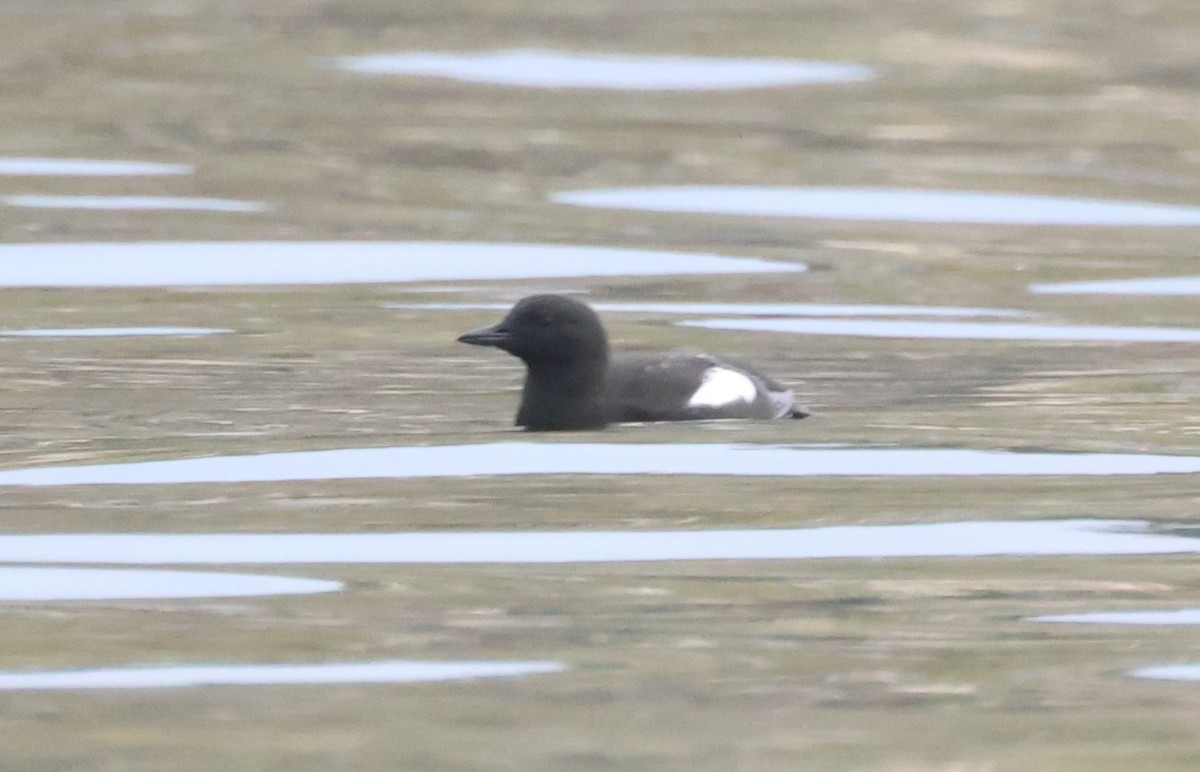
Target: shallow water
column 957, row 330
column 134, row 203
column 83, row 167
column 80, row 584
column 1173, row 285
column 1187, row 616
column 626, row 72
column 963, row 539
column 749, row 309
column 112, row 332
column 198, row 263
column 534, row 458
column 888, row 204
column 179, row 676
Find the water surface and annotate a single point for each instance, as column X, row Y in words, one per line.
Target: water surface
column 1170, row 672
column 385, row 672
column 111, row 332
column 47, row 584
column 953, row 539
column 1169, row 285
column 83, row 167
column 885, row 204
column 627, row 72
column 553, row 458
column 957, row 330
column 1187, row 616
column 215, row 263
column 748, row 309
column 136, row 203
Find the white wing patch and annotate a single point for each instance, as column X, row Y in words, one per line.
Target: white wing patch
column 720, row 387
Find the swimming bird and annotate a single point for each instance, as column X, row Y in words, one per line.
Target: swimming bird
column 572, row 381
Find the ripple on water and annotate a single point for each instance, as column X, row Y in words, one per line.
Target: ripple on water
column 1187, row 616
column 1169, row 672
column 385, row 672
column 46, row 584
column 553, row 69
column 83, row 167
column 1172, row 285
column 954, row 539
column 746, row 309
column 112, row 332
column 885, row 204
column 957, row 330
column 526, row 458
column 137, row 203
column 202, row 263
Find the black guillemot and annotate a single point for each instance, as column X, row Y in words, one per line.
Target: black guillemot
column 572, row 382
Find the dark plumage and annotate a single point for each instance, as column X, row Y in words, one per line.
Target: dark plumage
column 571, row 383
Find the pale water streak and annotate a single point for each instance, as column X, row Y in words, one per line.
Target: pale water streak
column 214, row 263
column 83, row 167
column 885, row 204
column 137, row 203
column 47, row 584
column 953, row 539
column 1169, row 672
column 112, row 332
column 627, row 72
column 553, row 458
column 1187, row 616
column 957, row 330
column 746, row 309
column 1167, row 285
column 178, row 676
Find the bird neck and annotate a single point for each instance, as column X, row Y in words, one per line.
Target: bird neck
column 564, row 395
